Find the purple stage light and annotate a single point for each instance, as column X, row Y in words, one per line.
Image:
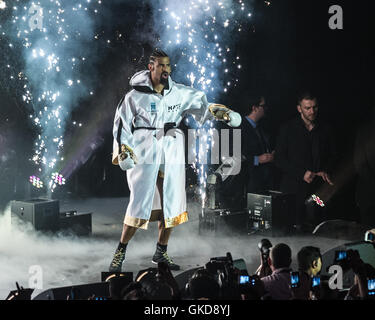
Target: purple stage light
column 58, row 179
column 36, row 182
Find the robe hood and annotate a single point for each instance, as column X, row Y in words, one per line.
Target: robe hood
column 141, row 81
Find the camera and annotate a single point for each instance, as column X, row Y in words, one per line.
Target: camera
column 294, row 280
column 247, row 280
column 223, row 270
column 218, row 264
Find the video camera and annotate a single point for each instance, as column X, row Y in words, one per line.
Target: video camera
column 229, row 277
column 223, row 270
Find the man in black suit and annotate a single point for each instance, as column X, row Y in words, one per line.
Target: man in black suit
column 257, row 153
column 305, row 153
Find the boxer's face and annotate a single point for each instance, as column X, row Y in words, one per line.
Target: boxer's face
column 160, row 70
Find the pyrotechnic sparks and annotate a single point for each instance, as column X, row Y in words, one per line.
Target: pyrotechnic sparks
column 200, row 36
column 53, row 36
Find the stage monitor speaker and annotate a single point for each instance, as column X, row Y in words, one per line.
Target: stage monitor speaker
column 366, row 251
column 43, row 214
column 271, row 212
column 79, row 224
column 80, row 292
column 220, row 222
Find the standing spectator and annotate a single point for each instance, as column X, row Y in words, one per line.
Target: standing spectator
column 309, row 265
column 256, row 148
column 305, row 154
column 277, row 285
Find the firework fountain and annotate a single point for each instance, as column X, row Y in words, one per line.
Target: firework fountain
column 200, row 36
column 56, row 41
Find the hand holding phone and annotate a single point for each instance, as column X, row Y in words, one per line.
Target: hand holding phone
column 371, row 287
column 294, row 280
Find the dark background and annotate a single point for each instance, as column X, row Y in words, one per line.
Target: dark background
column 287, row 46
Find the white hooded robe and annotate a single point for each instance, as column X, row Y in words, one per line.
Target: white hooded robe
column 143, row 107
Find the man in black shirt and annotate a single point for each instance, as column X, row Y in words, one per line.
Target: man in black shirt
column 305, row 154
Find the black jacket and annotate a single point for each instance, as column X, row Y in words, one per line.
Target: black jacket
column 257, row 178
column 299, row 150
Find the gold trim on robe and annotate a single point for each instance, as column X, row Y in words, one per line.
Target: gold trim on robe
column 156, row 215
column 173, row 222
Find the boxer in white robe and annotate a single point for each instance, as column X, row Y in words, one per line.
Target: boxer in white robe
column 153, row 153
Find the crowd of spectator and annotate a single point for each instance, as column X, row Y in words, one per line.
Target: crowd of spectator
column 219, row 279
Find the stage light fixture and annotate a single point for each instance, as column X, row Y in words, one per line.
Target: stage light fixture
column 36, row 182
column 58, row 179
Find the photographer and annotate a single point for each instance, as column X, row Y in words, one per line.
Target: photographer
column 309, row 266
column 264, row 269
column 277, row 285
column 362, row 273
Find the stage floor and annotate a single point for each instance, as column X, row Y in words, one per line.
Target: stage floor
column 65, row 261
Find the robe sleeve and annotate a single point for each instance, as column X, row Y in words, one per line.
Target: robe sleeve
column 195, row 103
column 122, row 128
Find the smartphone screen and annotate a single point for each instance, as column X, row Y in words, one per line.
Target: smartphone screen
column 340, row 256
column 294, row 279
column 315, row 282
column 371, row 287
column 244, row 279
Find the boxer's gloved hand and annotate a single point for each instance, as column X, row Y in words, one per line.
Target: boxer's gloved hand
column 235, row 119
column 126, row 159
column 222, row 113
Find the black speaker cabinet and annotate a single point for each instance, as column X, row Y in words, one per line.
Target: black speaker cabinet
column 78, row 224
column 271, row 212
column 43, row 214
column 223, row 221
